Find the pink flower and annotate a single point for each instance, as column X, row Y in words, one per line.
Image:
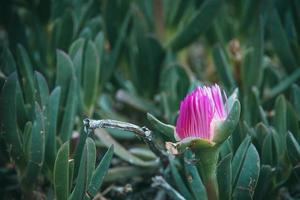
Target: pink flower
column 199, row 112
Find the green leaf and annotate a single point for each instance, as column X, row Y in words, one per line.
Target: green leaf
column 113, row 58
column 283, row 84
column 70, row 112
column 179, row 182
column 166, row 129
column 295, row 98
column 99, row 42
column 22, row 112
column 292, row 121
column 145, row 56
column 199, row 23
column 136, row 102
column 43, row 90
column 91, row 158
column 252, row 63
column 293, row 148
column 238, row 160
column 143, row 153
column 264, row 181
column 269, row 154
column 224, row 129
column 174, row 85
column 261, row 131
column 64, row 28
column 64, row 73
column 252, row 113
column 248, row 176
column 280, row 42
column 87, row 165
column 71, row 173
column 61, row 173
column 79, row 150
column 223, row 68
column 127, row 172
column 8, row 120
column 26, row 141
column 99, row 173
column 51, row 126
column 75, row 47
column 224, row 175
column 36, row 152
column 121, row 152
column 280, row 122
column 8, row 64
column 76, row 52
column 26, row 72
column 91, row 70
column 194, row 178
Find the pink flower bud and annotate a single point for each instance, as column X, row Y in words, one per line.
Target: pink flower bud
column 199, row 111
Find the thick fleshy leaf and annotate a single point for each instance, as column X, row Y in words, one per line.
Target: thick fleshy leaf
column 22, row 112
column 292, row 121
column 114, row 57
column 9, row 119
column 143, row 153
column 264, row 182
column 26, row 71
column 87, row 165
column 283, row 84
column 223, row 68
column 127, row 172
column 61, row 173
column 43, row 90
column 261, row 131
column 293, row 148
column 51, row 126
column 295, row 98
column 223, row 130
column 280, row 41
column 238, row 159
column 79, row 150
column 122, row 152
column 179, row 182
column 70, row 113
column 280, row 122
column 65, row 70
column 36, row 151
column 91, row 70
column 269, row 155
column 194, row 178
column 248, row 177
column 224, row 174
column 199, row 23
column 136, row 102
column 252, row 61
column 99, row 173
column 71, row 173
column 166, row 129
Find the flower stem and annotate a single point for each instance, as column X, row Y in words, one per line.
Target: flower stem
column 207, row 165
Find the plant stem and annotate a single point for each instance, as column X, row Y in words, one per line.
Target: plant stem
column 143, row 132
column 207, row 165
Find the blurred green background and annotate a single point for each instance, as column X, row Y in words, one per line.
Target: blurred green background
column 65, row 60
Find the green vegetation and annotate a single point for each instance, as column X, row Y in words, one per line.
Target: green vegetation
column 62, row 61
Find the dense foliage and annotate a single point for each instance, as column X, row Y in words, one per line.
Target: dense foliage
column 66, row 60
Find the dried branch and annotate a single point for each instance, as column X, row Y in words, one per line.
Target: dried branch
column 143, row 132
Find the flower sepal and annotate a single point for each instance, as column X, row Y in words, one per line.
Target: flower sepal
column 223, row 129
column 195, row 144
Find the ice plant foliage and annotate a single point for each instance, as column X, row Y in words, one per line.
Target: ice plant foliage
column 199, row 111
